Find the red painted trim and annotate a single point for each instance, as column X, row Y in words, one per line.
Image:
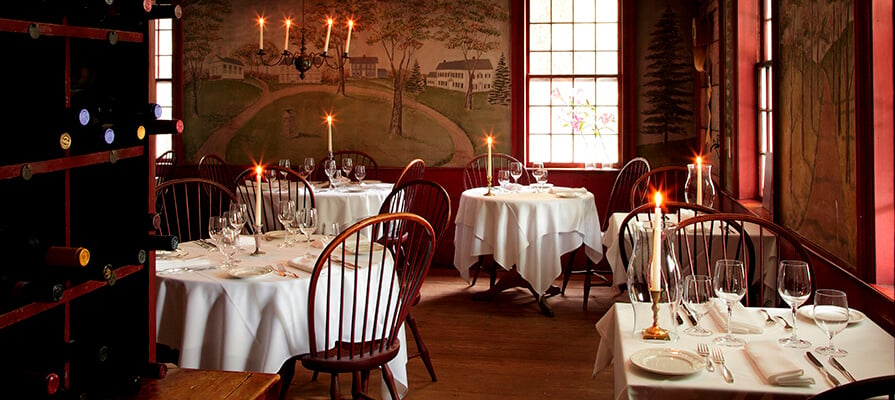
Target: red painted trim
column 518, row 124
column 745, row 148
column 864, row 123
column 66, row 163
column 884, row 128
column 82, row 32
column 177, row 83
column 626, row 70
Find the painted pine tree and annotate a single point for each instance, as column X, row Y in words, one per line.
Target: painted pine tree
column 500, row 88
column 668, row 80
column 415, row 82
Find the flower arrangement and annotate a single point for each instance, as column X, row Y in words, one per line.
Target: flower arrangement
column 585, row 118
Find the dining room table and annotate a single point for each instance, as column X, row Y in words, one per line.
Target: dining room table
column 526, row 231
column 251, row 317
column 673, row 369
column 766, row 273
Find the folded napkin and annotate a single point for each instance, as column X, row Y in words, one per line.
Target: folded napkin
column 772, row 363
column 304, row 263
column 742, row 322
column 568, row 192
column 185, row 262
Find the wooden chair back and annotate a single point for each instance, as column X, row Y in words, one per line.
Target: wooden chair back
column 357, row 158
column 475, row 174
column 214, row 168
column 273, row 192
column 359, row 300
column 164, row 166
column 620, row 196
column 413, row 170
column 425, row 198
column 185, row 206
column 669, row 181
column 644, row 213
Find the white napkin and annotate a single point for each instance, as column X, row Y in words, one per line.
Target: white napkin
column 304, row 262
column 774, row 366
column 568, row 192
column 161, row 264
column 742, row 322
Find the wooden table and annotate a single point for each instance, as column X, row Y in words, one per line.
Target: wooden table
column 183, row 383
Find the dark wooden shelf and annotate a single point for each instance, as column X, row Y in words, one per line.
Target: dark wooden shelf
column 72, row 31
column 61, row 164
column 81, row 289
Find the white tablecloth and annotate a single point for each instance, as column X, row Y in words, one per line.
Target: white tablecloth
column 767, row 269
column 529, row 230
column 871, row 353
column 256, row 324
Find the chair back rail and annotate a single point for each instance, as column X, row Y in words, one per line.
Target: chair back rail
column 413, row 170
column 164, row 166
column 271, row 194
column 476, row 171
column 185, row 206
column 214, row 168
column 620, row 195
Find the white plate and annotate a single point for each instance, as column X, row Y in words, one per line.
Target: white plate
column 355, row 188
column 249, row 272
column 854, row 316
column 275, row 234
column 371, row 181
column 568, row 193
column 668, row 361
column 171, row 255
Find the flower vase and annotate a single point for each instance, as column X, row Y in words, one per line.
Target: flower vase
column 643, row 298
column 694, row 179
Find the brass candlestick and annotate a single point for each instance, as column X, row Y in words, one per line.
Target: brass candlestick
column 489, row 187
column 258, row 239
column 654, row 332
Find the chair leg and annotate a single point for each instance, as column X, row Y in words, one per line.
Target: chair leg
column 567, row 273
column 475, row 271
column 314, row 376
column 587, row 275
column 493, row 273
column 421, row 346
column 286, row 372
column 389, row 381
column 334, row 392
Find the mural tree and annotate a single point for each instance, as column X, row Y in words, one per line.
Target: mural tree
column 340, row 11
column 500, row 88
column 470, row 26
column 415, row 82
column 202, row 27
column 668, row 80
column 400, row 27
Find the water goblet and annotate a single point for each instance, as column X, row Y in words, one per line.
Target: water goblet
column 831, row 316
column 347, row 166
column 360, row 172
column 237, row 215
column 286, row 216
column 516, row 172
column 503, row 178
column 794, row 286
column 307, row 221
column 285, row 163
column 216, row 226
column 229, row 246
column 697, row 299
column 308, row 166
column 730, row 286
column 330, row 168
column 537, row 172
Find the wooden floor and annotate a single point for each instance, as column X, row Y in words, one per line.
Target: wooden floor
column 503, row 349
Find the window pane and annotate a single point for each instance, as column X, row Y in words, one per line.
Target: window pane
column 540, row 11
column 163, row 65
column 562, row 148
column 539, row 120
column 539, row 37
column 163, row 94
column 607, row 63
column 584, row 11
column 562, row 37
column 165, row 24
column 585, row 63
column 562, row 10
column 562, row 63
column 539, row 92
column 563, row 87
column 607, row 10
column 539, row 63
column 539, row 148
column 162, row 144
column 584, row 37
column 607, row 91
column 607, row 36
column 165, row 42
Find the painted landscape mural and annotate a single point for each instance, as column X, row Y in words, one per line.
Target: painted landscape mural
column 425, row 79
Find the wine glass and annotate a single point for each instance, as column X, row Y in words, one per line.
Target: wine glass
column 516, row 172
column 794, row 286
column 730, row 286
column 216, row 229
column 360, row 172
column 697, row 298
column 286, row 216
column 229, row 246
column 334, row 229
column 347, row 166
column 308, row 166
column 503, row 178
column 307, row 221
column 238, row 215
column 831, row 316
column 330, row 168
column 537, row 172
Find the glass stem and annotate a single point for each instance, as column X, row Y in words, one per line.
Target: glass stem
column 794, row 336
column 729, row 316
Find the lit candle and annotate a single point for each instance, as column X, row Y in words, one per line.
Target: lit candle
column 258, row 171
column 348, row 41
column 699, row 180
column 329, row 141
column 655, row 274
column 261, row 30
column 490, row 140
column 286, row 45
column 329, row 29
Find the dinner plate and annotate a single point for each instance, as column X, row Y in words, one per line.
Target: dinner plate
column 249, row 272
column 171, row 255
column 354, row 189
column 275, row 234
column 668, row 361
column 568, row 193
column 854, row 316
column 371, row 181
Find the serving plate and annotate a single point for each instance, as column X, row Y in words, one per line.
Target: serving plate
column 249, row 272
column 854, row 316
column 668, row 361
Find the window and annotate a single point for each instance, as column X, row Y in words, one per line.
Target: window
column 765, row 106
column 163, row 75
column 573, row 82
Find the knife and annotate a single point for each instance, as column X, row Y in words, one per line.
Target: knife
column 689, row 315
column 821, row 367
column 841, row 368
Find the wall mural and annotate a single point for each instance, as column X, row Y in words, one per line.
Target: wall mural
column 425, row 79
column 667, row 127
column 817, row 114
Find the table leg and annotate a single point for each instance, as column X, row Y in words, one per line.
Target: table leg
column 512, row 279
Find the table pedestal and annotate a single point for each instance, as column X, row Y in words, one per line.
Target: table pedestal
column 511, row 280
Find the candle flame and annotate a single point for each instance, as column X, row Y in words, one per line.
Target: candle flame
column 329, row 21
column 658, row 199
column 350, row 23
column 288, row 23
column 698, row 160
column 490, row 140
column 261, row 21
column 258, row 170
column 329, row 119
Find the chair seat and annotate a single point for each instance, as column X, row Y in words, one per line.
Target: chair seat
column 371, row 358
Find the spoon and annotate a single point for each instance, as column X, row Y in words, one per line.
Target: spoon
column 786, row 326
column 768, row 320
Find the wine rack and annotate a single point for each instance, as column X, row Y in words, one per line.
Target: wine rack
column 73, row 188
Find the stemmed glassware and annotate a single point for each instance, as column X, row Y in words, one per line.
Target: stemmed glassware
column 540, row 175
column 360, row 172
column 330, row 168
column 229, row 246
column 285, row 163
column 503, row 178
column 308, row 167
column 697, row 299
column 730, row 286
column 216, row 226
column 831, row 316
column 286, row 216
column 347, row 166
column 794, row 286
column 307, row 221
column 516, row 172
column 237, row 216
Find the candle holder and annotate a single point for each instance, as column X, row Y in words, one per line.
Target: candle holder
column 489, row 188
column 258, row 240
column 655, row 332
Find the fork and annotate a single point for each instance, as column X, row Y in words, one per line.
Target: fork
column 768, row 320
column 718, row 356
column 703, row 350
column 786, row 326
column 281, row 269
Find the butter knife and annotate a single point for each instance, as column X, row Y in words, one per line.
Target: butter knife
column 821, row 367
column 841, row 368
column 690, row 315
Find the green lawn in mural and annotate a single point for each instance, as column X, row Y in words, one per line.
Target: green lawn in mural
column 221, row 100
column 487, row 118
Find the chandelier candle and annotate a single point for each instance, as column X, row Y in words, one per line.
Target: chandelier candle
column 329, row 29
column 286, row 45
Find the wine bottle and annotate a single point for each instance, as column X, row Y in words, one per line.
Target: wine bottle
column 30, row 384
column 165, row 10
column 118, row 255
column 155, row 370
column 162, row 242
column 164, row 126
column 18, row 293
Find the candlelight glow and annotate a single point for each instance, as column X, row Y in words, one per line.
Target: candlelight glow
column 490, row 140
column 698, row 161
column 288, row 24
column 329, row 119
column 258, row 170
column 658, row 199
column 261, row 21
